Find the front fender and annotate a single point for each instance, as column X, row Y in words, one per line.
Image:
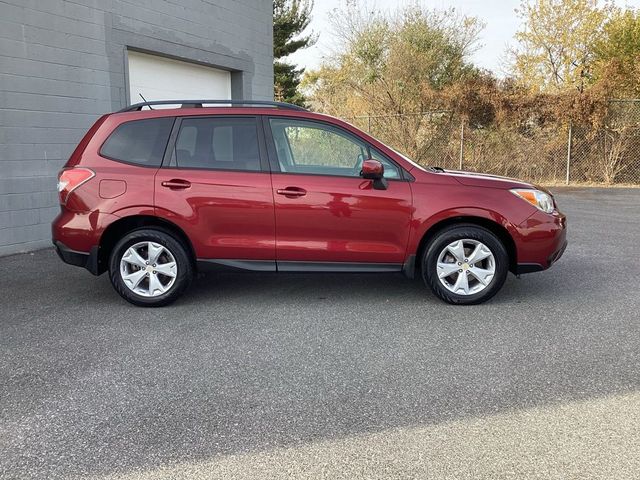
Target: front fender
column 421, row 227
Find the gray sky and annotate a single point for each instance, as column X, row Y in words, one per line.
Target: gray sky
column 499, row 16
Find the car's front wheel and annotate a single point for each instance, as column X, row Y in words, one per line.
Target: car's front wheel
column 150, row 268
column 465, row 265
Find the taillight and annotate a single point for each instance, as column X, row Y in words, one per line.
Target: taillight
column 71, row 178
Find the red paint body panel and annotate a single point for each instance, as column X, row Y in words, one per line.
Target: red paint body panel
column 137, row 190
column 241, row 215
column 227, row 215
column 433, row 204
column 537, row 235
column 541, row 238
column 80, row 231
column 341, row 219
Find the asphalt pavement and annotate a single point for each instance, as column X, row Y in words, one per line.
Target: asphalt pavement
column 331, row 376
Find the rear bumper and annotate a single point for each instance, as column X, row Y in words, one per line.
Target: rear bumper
column 76, row 238
column 79, row 259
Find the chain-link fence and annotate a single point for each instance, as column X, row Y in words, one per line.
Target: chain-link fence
column 548, row 154
column 610, row 154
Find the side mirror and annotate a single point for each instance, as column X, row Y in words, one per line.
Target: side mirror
column 374, row 170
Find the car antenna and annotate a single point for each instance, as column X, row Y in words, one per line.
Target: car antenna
column 145, row 101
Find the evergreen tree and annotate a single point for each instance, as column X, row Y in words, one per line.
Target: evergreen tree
column 290, row 19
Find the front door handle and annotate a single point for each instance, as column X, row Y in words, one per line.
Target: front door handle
column 292, row 192
column 176, row 184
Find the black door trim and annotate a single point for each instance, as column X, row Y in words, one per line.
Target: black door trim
column 293, row 266
column 339, row 267
column 228, row 264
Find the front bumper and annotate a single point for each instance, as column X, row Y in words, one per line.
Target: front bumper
column 79, row 259
column 523, row 268
column 541, row 241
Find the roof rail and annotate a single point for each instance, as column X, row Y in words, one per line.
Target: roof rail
column 201, row 103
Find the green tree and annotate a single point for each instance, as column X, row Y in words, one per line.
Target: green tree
column 555, row 46
column 290, row 20
column 617, row 54
column 396, row 66
column 393, row 63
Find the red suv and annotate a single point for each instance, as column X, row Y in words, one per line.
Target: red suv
column 152, row 195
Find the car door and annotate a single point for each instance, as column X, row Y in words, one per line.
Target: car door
column 325, row 211
column 215, row 185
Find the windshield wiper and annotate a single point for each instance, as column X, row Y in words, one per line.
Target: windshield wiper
column 435, row 169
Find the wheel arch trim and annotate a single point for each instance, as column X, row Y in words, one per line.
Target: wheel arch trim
column 126, row 224
column 489, row 220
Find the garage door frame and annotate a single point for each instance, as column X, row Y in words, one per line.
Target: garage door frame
column 238, row 77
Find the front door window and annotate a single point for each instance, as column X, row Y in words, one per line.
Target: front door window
column 308, row 147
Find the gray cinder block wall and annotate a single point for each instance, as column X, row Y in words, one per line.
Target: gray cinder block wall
column 62, row 65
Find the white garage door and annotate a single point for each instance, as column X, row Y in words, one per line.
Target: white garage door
column 159, row 78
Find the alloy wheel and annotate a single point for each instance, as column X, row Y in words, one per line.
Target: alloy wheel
column 466, row 267
column 148, row 269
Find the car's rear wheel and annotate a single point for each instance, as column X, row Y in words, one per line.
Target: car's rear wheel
column 465, row 265
column 150, row 268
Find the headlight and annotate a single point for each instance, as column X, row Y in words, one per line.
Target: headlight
column 538, row 199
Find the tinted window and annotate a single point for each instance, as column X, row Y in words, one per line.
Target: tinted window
column 218, row 143
column 317, row 148
column 141, row 141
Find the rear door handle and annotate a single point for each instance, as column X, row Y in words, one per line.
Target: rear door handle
column 176, row 184
column 292, row 192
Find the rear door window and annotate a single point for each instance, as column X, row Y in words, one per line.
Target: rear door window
column 141, row 142
column 220, row 143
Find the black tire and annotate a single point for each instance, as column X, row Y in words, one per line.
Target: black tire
column 173, row 245
column 464, row 232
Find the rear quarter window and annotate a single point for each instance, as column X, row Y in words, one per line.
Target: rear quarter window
column 141, row 142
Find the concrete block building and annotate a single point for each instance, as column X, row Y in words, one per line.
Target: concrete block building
column 63, row 63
